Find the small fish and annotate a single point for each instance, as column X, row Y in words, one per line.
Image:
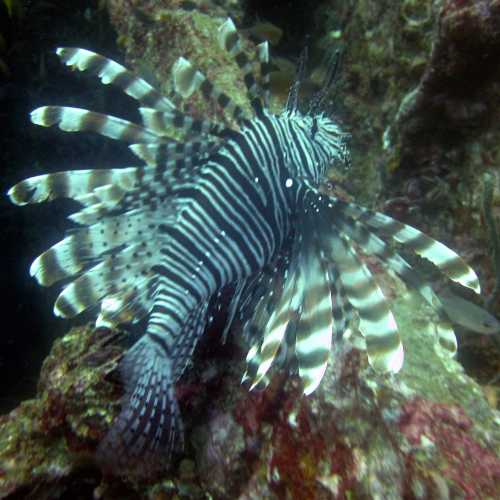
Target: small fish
column 469, row 315
column 264, row 31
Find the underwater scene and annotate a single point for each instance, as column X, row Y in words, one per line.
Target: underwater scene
column 251, row 249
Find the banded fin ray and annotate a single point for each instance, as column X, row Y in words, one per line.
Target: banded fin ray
column 445, row 259
column 115, row 273
column 181, row 155
column 287, row 287
column 265, row 71
column 126, row 306
column 315, row 326
column 373, row 245
column 71, row 119
column 69, row 256
column 74, row 184
column 107, row 187
column 304, row 303
column 188, row 79
column 258, row 302
column 377, row 323
column 111, row 72
column 342, row 311
column 161, row 123
column 229, row 40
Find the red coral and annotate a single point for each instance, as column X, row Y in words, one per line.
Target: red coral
column 303, row 451
column 469, row 465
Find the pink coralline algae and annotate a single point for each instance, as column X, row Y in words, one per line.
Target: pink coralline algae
column 466, row 463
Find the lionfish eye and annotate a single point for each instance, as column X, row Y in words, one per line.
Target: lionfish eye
column 314, row 127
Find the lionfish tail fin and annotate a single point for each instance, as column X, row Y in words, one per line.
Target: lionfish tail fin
column 149, row 427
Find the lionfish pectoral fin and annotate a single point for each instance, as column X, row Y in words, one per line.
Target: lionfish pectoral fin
column 276, row 327
column 149, row 427
column 372, row 238
column 445, row 259
column 377, row 323
column 313, row 336
column 270, row 300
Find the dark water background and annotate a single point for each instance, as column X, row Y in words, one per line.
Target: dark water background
column 35, row 77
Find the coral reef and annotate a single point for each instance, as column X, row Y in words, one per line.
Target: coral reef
column 48, row 442
column 459, row 84
column 387, row 47
column 420, row 91
column 426, row 433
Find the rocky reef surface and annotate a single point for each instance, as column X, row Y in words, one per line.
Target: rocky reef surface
column 426, row 433
column 419, row 95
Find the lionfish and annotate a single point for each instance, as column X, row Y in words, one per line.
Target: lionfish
column 228, row 206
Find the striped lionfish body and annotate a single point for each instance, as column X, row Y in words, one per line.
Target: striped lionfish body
column 224, row 207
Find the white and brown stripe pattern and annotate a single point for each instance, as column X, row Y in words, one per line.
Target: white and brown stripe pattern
column 277, row 322
column 116, row 273
column 265, row 71
column 316, row 323
column 82, row 120
column 371, row 244
column 377, row 323
column 163, row 123
column 174, row 154
column 448, row 262
column 129, row 307
column 110, row 72
column 69, row 256
column 229, row 40
column 188, row 79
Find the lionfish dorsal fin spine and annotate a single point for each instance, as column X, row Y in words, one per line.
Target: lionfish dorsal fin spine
column 163, row 122
column 257, row 91
column 110, row 72
column 188, row 79
column 174, row 154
